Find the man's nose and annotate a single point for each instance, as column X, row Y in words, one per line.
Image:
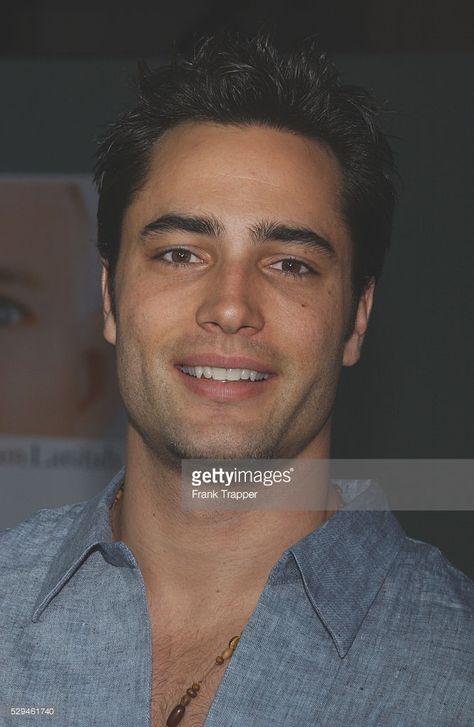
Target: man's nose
column 231, row 301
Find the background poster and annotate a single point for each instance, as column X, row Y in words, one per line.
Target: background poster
column 61, row 420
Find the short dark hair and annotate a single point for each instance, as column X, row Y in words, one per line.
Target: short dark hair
column 230, row 79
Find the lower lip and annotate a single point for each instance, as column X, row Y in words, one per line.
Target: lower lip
column 224, row 390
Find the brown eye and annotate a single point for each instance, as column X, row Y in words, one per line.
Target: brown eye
column 178, row 256
column 291, row 266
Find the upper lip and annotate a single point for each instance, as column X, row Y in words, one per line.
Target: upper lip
column 225, row 362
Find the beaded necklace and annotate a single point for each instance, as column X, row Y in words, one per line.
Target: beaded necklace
column 177, row 713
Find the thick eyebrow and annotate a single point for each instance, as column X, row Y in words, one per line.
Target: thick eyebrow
column 9, row 276
column 199, row 225
column 261, row 232
column 269, row 231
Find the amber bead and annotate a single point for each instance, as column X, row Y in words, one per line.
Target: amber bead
column 191, row 692
column 227, row 653
column 176, row 716
column 233, row 642
column 219, row 660
column 196, row 686
column 185, row 699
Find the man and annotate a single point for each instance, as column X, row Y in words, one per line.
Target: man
column 245, row 210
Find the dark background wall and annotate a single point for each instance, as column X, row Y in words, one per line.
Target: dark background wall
column 65, row 72
column 139, row 28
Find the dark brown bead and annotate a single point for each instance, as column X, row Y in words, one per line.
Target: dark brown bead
column 185, row 699
column 219, row 660
column 192, row 692
column 196, row 686
column 176, row 716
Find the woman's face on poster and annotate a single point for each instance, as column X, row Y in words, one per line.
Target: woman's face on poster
column 56, row 372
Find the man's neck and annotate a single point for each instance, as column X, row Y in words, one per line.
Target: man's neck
column 211, row 563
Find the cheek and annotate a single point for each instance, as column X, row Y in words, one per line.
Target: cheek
column 148, row 322
column 311, row 328
column 145, row 317
column 144, row 296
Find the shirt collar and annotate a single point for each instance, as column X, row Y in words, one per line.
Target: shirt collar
column 344, row 562
column 90, row 529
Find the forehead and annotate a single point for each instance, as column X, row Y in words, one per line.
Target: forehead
column 240, row 173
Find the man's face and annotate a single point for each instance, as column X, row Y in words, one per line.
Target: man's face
column 234, row 255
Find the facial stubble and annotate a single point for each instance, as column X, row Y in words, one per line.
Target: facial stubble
column 163, row 422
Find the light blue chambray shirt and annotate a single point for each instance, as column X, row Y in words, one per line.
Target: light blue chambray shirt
column 357, row 625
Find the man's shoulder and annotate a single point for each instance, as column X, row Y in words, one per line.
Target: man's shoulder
column 430, row 609
column 40, row 534
column 428, row 577
column 27, row 551
column 28, row 548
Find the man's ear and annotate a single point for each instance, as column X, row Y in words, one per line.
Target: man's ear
column 353, row 345
column 110, row 330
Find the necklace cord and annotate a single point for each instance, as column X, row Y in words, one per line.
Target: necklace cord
column 178, row 711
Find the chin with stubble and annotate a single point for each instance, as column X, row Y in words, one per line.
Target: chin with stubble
column 171, row 449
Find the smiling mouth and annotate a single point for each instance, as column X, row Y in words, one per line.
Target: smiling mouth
column 224, row 375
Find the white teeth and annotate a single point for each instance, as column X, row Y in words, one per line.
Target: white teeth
column 220, row 374
column 233, row 374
